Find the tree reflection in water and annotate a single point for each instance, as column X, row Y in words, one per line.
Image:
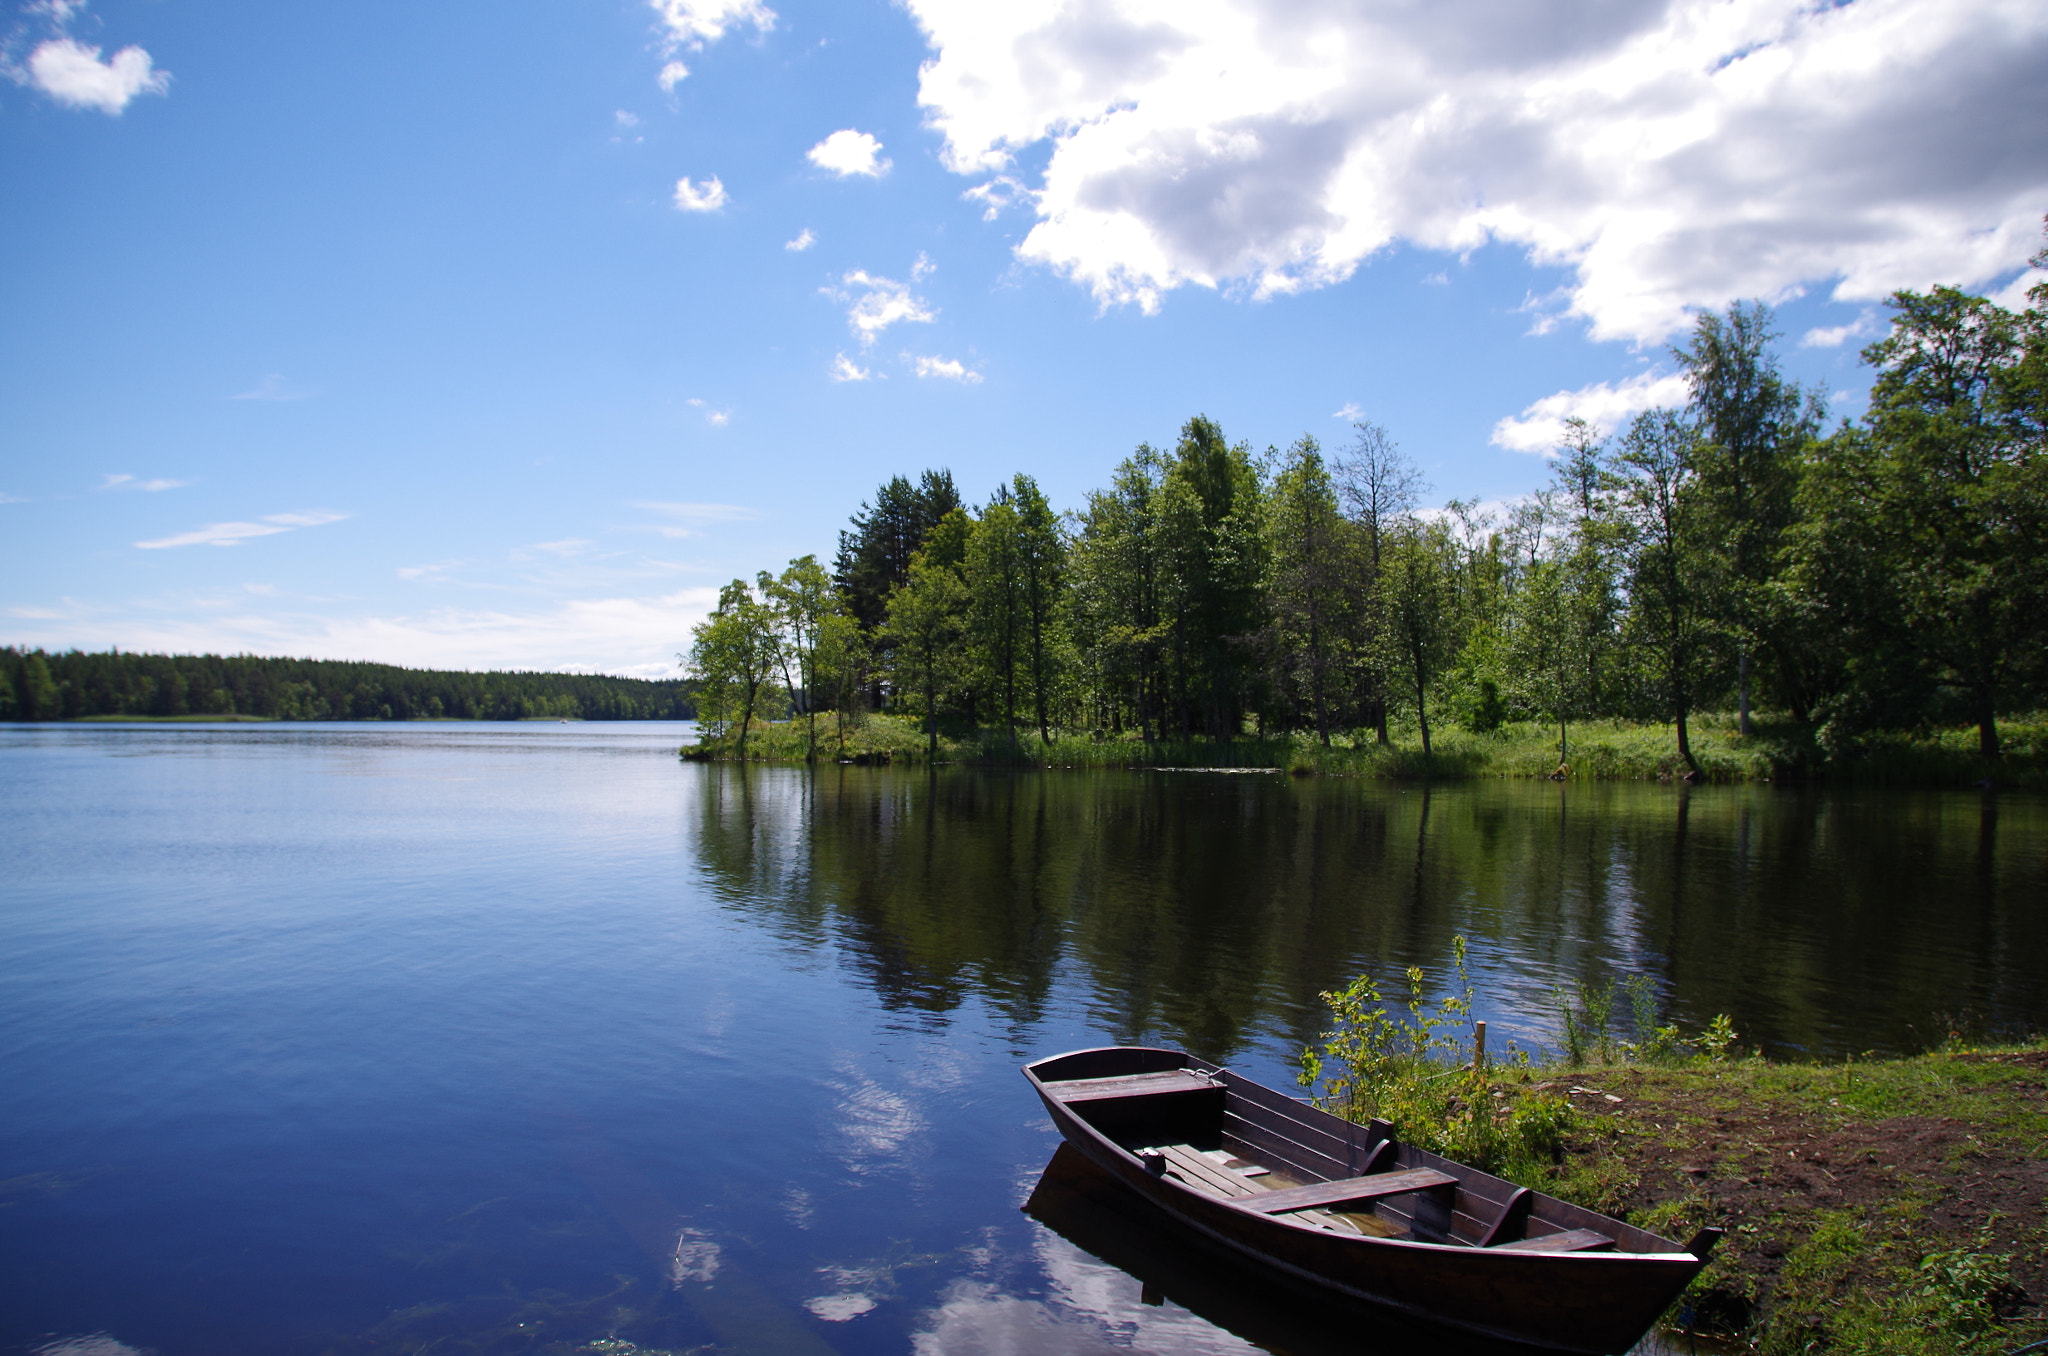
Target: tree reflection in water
column 1209, row 910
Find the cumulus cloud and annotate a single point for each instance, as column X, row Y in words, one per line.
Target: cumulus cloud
column 874, row 303
column 74, row 75
column 234, row 534
column 847, row 153
column 803, row 241
column 846, row 369
column 1540, row 427
column 951, row 369
column 1668, row 155
column 692, row 23
column 1834, row 336
column 672, row 74
column 708, row 196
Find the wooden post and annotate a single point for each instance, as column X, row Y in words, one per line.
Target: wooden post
column 1478, row 1045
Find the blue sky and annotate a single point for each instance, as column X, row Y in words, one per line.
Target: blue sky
column 500, row 335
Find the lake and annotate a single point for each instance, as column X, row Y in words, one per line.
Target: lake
column 533, row 1038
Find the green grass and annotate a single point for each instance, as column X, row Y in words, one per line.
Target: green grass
column 1874, row 1207
column 1606, row 750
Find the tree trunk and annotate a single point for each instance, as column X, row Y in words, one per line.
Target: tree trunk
column 1987, row 727
column 1742, row 686
column 1421, row 712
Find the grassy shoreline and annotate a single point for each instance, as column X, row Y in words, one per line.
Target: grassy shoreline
column 1878, row 1207
column 1872, row 1207
column 1596, row 751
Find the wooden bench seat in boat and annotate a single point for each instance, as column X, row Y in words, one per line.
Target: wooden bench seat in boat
column 1352, row 1191
column 1199, row 1170
column 1130, row 1085
column 1568, row 1240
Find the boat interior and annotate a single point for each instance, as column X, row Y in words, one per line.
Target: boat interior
column 1222, row 1135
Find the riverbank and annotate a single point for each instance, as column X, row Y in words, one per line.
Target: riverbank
column 1776, row 751
column 1884, row 1207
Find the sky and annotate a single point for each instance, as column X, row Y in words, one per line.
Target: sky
column 499, row 335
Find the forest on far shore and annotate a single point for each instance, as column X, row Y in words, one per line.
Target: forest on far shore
column 1733, row 555
column 73, row 685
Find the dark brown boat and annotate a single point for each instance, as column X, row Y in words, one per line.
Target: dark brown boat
column 1350, row 1208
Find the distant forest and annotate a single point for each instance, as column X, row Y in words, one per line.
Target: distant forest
column 73, row 685
column 1886, row 574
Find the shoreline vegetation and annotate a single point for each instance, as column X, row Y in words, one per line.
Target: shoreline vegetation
column 1611, row 750
column 1873, row 1207
column 74, row 685
column 1850, row 596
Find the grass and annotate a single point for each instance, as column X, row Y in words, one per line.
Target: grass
column 1607, row 750
column 1874, row 1207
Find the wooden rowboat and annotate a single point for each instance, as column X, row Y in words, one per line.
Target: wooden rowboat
column 1349, row 1208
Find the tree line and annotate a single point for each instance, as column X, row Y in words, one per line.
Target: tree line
column 1733, row 554
column 71, row 685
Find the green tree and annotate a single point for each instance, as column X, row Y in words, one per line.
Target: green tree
column 733, row 654
column 1042, row 563
column 1115, row 611
column 803, row 604
column 1753, row 424
column 1945, row 492
column 1307, row 553
column 997, row 606
column 926, row 621
column 875, row 556
column 1210, row 550
column 1667, row 560
column 1420, row 585
column 1379, row 487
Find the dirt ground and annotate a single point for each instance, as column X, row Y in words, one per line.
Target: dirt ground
column 1830, row 1182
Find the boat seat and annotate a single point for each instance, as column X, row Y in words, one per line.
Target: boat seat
column 1198, row 1170
column 1351, row 1191
column 1129, row 1085
column 1570, row 1240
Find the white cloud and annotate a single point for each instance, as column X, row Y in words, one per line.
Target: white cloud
column 999, row 193
column 708, row 196
column 1348, row 412
column 1540, row 427
column 803, row 241
column 234, row 534
column 845, row 369
column 717, row 418
column 673, row 74
column 128, row 482
column 1834, row 336
column 567, row 546
column 2013, row 296
column 847, row 153
column 273, row 387
column 625, row 120
column 73, row 74
column 1668, row 155
column 951, row 369
column 693, row 23
column 875, row 303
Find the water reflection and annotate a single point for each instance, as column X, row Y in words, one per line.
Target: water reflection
column 1209, row 910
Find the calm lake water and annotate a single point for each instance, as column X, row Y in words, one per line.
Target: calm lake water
column 487, row 1038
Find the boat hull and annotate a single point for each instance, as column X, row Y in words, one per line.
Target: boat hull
column 1599, row 1303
